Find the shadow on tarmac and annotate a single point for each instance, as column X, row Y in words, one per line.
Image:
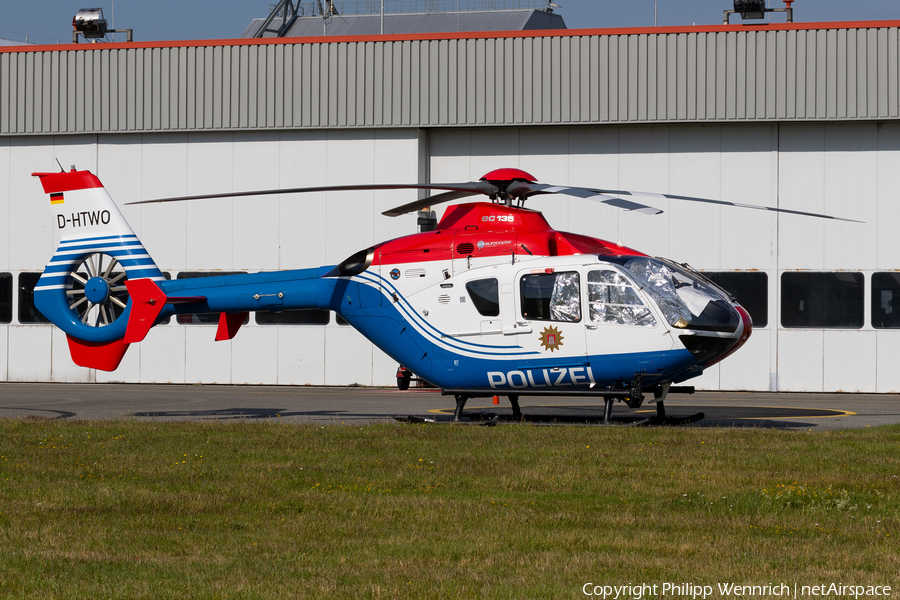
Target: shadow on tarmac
column 54, row 414
column 226, row 414
column 716, row 416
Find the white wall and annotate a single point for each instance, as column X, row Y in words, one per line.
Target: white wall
column 255, row 234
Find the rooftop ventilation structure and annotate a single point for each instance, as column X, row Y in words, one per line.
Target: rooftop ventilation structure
column 283, row 15
column 756, row 9
column 301, row 18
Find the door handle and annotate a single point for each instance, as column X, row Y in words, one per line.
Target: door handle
column 517, row 330
column 590, row 326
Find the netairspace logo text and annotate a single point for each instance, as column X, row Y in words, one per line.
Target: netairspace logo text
column 733, row 590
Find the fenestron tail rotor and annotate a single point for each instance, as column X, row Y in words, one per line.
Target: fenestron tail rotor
column 98, row 293
column 507, row 186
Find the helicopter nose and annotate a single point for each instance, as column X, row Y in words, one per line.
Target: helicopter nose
column 710, row 350
column 745, row 331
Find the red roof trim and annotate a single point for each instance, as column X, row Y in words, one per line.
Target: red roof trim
column 463, row 36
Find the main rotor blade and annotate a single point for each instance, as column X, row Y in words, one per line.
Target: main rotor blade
column 426, row 202
column 470, row 188
column 526, row 190
column 738, row 204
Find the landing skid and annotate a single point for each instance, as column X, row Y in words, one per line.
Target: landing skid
column 489, row 419
column 461, row 400
column 633, row 397
column 483, row 423
column 662, row 418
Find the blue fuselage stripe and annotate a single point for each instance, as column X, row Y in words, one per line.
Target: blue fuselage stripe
column 439, row 335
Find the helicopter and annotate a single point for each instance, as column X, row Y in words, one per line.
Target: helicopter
column 494, row 301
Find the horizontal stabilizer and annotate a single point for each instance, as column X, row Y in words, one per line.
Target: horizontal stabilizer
column 229, row 323
column 147, row 301
column 105, row 356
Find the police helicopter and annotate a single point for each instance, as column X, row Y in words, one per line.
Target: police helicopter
column 494, row 301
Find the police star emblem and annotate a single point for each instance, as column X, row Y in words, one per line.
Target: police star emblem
column 551, row 339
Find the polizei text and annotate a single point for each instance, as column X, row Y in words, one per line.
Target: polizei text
column 555, row 377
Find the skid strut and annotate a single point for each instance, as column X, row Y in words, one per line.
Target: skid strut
column 607, row 409
column 516, row 411
column 460, row 404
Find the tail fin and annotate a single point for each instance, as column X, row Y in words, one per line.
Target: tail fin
column 82, row 290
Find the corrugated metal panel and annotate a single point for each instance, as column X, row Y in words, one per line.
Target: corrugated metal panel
column 844, row 74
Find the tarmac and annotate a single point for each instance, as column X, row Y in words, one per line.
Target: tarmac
column 357, row 405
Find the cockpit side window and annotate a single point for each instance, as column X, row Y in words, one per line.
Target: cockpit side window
column 685, row 297
column 485, row 296
column 614, row 301
column 551, row 297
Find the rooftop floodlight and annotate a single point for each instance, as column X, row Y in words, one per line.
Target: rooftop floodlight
column 89, row 22
column 751, row 9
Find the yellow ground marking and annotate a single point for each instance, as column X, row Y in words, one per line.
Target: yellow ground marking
column 450, row 411
column 842, row 413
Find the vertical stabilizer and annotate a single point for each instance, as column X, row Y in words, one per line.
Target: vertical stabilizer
column 82, row 290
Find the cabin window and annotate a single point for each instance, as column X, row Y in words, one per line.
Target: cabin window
column 28, row 313
column 551, row 297
column 613, row 300
column 886, row 300
column 204, row 318
column 749, row 288
column 294, row 316
column 485, row 296
column 822, row 300
column 6, row 295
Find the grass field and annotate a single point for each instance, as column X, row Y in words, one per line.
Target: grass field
column 257, row 510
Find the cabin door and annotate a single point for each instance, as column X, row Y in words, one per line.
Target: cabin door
column 550, row 317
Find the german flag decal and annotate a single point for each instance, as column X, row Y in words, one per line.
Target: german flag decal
column 56, row 198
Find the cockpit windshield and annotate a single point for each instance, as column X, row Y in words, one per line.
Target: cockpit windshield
column 686, row 298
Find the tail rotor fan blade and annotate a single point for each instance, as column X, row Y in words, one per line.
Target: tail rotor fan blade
column 107, row 299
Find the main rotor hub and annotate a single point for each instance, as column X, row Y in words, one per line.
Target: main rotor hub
column 509, row 175
column 502, row 178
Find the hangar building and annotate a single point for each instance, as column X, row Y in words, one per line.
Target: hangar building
column 804, row 116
